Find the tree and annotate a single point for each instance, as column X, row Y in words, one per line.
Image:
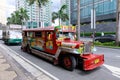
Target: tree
column 9, row 20
column 118, row 24
column 23, row 14
column 60, row 15
column 13, row 18
column 17, row 17
column 39, row 3
column 78, row 19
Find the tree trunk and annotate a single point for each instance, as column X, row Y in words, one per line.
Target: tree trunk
column 59, row 22
column 78, row 19
column 118, row 24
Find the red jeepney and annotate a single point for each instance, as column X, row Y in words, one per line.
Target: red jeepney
column 58, row 44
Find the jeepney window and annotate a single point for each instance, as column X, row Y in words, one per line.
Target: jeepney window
column 49, row 35
column 43, row 35
column 28, row 34
column 38, row 34
column 67, row 35
column 31, row 34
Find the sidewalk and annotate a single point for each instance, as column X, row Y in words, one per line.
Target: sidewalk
column 9, row 69
column 6, row 71
column 15, row 67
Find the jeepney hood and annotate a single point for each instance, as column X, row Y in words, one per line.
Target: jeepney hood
column 71, row 43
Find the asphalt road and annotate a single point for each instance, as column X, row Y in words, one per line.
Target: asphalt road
column 109, row 71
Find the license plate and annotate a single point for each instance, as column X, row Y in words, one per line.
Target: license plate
column 97, row 61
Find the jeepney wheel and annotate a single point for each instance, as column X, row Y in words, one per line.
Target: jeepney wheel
column 28, row 49
column 24, row 49
column 69, row 62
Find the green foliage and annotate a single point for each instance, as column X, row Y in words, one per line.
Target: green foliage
column 96, row 34
column 17, row 17
column 107, row 44
column 38, row 2
column 61, row 15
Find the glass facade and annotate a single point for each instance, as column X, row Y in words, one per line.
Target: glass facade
column 102, row 7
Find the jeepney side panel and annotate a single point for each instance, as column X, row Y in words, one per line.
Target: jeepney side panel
column 24, row 39
column 38, row 40
column 50, row 44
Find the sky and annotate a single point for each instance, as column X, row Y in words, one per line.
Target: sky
column 11, row 6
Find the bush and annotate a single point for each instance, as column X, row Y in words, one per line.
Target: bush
column 96, row 34
column 105, row 44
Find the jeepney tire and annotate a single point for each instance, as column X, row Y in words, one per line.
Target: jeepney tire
column 72, row 61
column 24, row 49
column 28, row 49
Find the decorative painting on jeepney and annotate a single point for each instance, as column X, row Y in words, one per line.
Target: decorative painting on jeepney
column 49, row 42
column 68, row 28
column 38, row 41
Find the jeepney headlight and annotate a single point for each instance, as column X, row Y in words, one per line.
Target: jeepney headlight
column 79, row 50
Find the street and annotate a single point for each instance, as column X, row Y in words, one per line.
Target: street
column 109, row 71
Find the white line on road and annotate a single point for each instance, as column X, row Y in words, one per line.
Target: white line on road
column 28, row 65
column 115, row 70
column 118, row 56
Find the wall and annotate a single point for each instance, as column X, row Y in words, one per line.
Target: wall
column 102, row 27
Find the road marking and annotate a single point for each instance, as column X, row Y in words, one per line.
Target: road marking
column 118, row 56
column 25, row 63
column 115, row 70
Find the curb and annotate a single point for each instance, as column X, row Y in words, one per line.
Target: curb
column 108, row 47
column 36, row 71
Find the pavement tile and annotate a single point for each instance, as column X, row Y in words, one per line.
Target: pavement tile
column 2, row 61
column 43, row 77
column 3, row 67
column 7, row 75
column 1, row 56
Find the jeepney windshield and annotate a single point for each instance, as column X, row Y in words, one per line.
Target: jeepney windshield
column 63, row 35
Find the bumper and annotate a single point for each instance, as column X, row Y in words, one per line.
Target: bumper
column 14, row 40
column 92, row 61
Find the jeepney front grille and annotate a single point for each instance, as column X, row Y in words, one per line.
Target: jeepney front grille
column 87, row 47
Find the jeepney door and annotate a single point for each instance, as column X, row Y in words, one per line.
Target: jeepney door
column 50, row 42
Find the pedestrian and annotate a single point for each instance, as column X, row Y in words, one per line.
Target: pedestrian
column 102, row 34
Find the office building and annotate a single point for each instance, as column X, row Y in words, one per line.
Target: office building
column 33, row 13
column 105, row 11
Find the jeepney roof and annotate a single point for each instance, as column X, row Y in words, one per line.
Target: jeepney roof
column 51, row 28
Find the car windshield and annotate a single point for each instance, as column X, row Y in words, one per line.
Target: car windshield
column 66, row 35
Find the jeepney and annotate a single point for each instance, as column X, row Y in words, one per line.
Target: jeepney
column 59, row 45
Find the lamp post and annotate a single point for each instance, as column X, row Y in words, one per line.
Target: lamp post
column 93, row 20
column 78, row 19
column 118, row 23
